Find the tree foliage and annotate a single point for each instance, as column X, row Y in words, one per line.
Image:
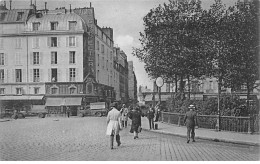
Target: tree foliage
column 181, row 41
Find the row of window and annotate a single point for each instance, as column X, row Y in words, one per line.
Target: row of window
column 20, row 91
column 36, row 75
column 18, row 17
column 54, row 90
column 54, row 26
column 71, row 41
column 35, row 58
column 103, row 50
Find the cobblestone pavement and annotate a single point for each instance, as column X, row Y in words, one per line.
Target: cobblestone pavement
column 84, row 139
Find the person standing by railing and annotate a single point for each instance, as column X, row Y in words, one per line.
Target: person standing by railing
column 190, row 119
column 150, row 116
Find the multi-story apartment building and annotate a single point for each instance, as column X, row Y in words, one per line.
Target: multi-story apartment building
column 53, row 56
column 132, row 82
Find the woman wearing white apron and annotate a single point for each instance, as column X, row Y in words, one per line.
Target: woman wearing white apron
column 114, row 125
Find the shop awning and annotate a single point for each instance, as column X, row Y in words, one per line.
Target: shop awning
column 21, row 97
column 72, row 101
column 54, row 102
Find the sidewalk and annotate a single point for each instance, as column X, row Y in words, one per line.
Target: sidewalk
column 221, row 136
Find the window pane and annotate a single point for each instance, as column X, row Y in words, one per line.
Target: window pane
column 2, row 59
column 53, row 57
column 53, row 41
column 36, row 75
column 2, row 75
column 72, row 57
column 72, row 41
column 36, row 58
column 72, row 74
column 72, row 25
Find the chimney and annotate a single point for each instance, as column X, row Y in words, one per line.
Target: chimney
column 90, row 4
column 45, row 6
column 4, row 3
column 31, row 2
column 10, row 4
column 70, row 8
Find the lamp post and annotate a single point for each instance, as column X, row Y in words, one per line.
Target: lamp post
column 159, row 83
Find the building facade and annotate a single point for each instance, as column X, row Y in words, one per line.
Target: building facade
column 53, row 58
column 132, row 83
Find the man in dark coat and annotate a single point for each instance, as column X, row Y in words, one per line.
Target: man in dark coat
column 150, row 116
column 190, row 120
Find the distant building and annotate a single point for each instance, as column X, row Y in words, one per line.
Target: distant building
column 132, row 82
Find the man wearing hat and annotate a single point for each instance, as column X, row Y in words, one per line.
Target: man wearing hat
column 114, row 124
column 190, row 120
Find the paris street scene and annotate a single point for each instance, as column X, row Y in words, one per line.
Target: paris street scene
column 129, row 80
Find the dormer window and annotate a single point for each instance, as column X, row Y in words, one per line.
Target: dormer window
column 54, row 25
column 2, row 16
column 36, row 26
column 19, row 16
column 72, row 25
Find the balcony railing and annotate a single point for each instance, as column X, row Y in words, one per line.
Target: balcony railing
column 228, row 123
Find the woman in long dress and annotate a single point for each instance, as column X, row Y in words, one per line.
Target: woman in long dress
column 113, row 125
column 135, row 116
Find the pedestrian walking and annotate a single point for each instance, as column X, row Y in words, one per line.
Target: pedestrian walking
column 68, row 111
column 113, row 125
column 190, row 120
column 124, row 113
column 135, row 116
column 150, row 116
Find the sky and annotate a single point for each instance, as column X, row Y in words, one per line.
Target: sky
column 124, row 16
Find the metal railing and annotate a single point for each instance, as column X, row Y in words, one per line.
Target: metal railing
column 228, row 123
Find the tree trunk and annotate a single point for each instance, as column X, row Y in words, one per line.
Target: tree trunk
column 176, row 84
column 188, row 77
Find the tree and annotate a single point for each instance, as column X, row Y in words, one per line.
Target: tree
column 170, row 42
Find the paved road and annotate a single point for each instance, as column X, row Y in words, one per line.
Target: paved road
column 83, row 139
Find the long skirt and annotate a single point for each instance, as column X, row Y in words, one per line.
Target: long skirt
column 113, row 128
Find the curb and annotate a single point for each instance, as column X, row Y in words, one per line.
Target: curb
column 206, row 138
column 4, row 120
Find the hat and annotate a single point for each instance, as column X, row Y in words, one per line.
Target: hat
column 191, row 106
column 114, row 104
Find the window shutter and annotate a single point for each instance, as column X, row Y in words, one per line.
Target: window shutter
column 58, row 40
column 67, row 41
column 49, row 41
column 31, row 75
column 41, row 75
column 23, row 75
column 33, row 42
column 41, row 58
column 13, row 75
column 77, row 41
column 1, row 43
column 67, row 74
column 49, row 75
column 31, row 58
column 59, row 78
column 6, row 59
column 6, row 76
column 77, row 74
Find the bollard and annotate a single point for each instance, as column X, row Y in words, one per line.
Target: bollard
column 179, row 120
column 156, row 126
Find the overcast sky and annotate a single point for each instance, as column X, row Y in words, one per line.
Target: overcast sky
column 124, row 16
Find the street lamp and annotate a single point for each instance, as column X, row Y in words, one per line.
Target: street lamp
column 159, row 83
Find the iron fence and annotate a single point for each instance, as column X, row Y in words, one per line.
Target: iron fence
column 227, row 123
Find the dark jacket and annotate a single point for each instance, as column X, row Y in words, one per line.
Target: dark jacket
column 135, row 116
column 190, row 119
column 150, row 113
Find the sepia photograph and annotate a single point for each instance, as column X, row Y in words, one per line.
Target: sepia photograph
column 129, row 80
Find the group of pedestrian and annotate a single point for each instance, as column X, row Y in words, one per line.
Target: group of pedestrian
column 117, row 119
column 153, row 114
